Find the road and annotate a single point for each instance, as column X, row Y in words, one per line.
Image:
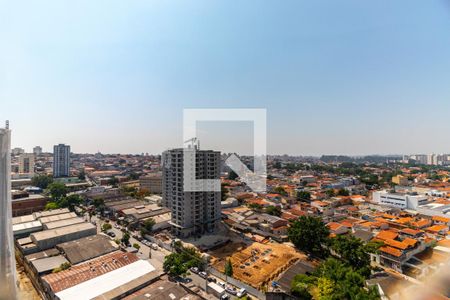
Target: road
column 157, row 256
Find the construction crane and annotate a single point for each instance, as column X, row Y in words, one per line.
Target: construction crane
column 194, row 142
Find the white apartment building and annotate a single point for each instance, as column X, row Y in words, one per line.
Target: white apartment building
column 37, row 150
column 26, row 163
column 61, row 160
column 398, row 200
column 193, row 213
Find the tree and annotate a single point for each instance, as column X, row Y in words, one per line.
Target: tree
column 273, row 210
column 173, row 265
column 373, row 246
column 113, row 181
column 82, row 175
column 353, row 251
column 106, row 227
column 348, row 284
column 324, row 289
column 148, row 226
column 98, row 202
column 301, row 286
column 255, row 206
column 303, row 195
column 228, row 268
column 41, row 181
column 309, row 234
column 280, row 190
column 330, row 193
column 57, row 190
column 178, row 263
column 133, row 176
column 71, row 201
column 125, row 238
column 343, row 192
column 51, row 205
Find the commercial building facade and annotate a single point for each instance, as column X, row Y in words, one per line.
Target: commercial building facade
column 404, row 201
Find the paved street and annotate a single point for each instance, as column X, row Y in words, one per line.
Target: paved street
column 157, row 256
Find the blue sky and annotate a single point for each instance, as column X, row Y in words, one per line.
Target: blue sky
column 341, row 77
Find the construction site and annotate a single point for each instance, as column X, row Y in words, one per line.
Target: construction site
column 256, row 264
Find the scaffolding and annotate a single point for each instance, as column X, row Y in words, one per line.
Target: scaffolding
column 7, row 258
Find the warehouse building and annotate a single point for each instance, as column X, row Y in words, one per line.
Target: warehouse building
column 50, row 238
column 63, row 223
column 87, row 248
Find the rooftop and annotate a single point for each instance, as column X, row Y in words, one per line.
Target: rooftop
column 89, row 270
column 104, row 283
column 48, row 264
column 87, row 248
column 48, row 234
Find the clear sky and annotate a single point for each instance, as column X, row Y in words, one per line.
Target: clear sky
column 336, row 77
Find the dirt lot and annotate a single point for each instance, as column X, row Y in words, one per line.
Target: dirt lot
column 257, row 264
column 26, row 289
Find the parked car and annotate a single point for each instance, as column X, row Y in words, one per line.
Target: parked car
column 203, row 275
column 231, row 290
column 212, row 279
column 194, row 270
column 221, row 283
column 242, row 292
column 111, row 234
column 224, row 297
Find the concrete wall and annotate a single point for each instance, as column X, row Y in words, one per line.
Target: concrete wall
column 251, row 290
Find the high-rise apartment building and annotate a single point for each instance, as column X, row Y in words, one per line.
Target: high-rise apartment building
column 193, row 213
column 37, row 150
column 26, row 163
column 61, row 160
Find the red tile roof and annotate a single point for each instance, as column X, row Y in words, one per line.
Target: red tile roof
column 391, row 251
column 88, row 270
column 387, row 235
column 410, row 231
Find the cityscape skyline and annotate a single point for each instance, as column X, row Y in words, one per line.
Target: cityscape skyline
column 347, row 78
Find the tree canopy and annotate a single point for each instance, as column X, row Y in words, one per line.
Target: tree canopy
column 309, row 234
column 56, row 190
column 178, row 263
column 303, row 195
column 41, row 181
column 273, row 210
column 147, row 226
column 332, row 280
column 229, row 268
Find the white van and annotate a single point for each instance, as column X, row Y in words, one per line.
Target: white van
column 242, row 292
